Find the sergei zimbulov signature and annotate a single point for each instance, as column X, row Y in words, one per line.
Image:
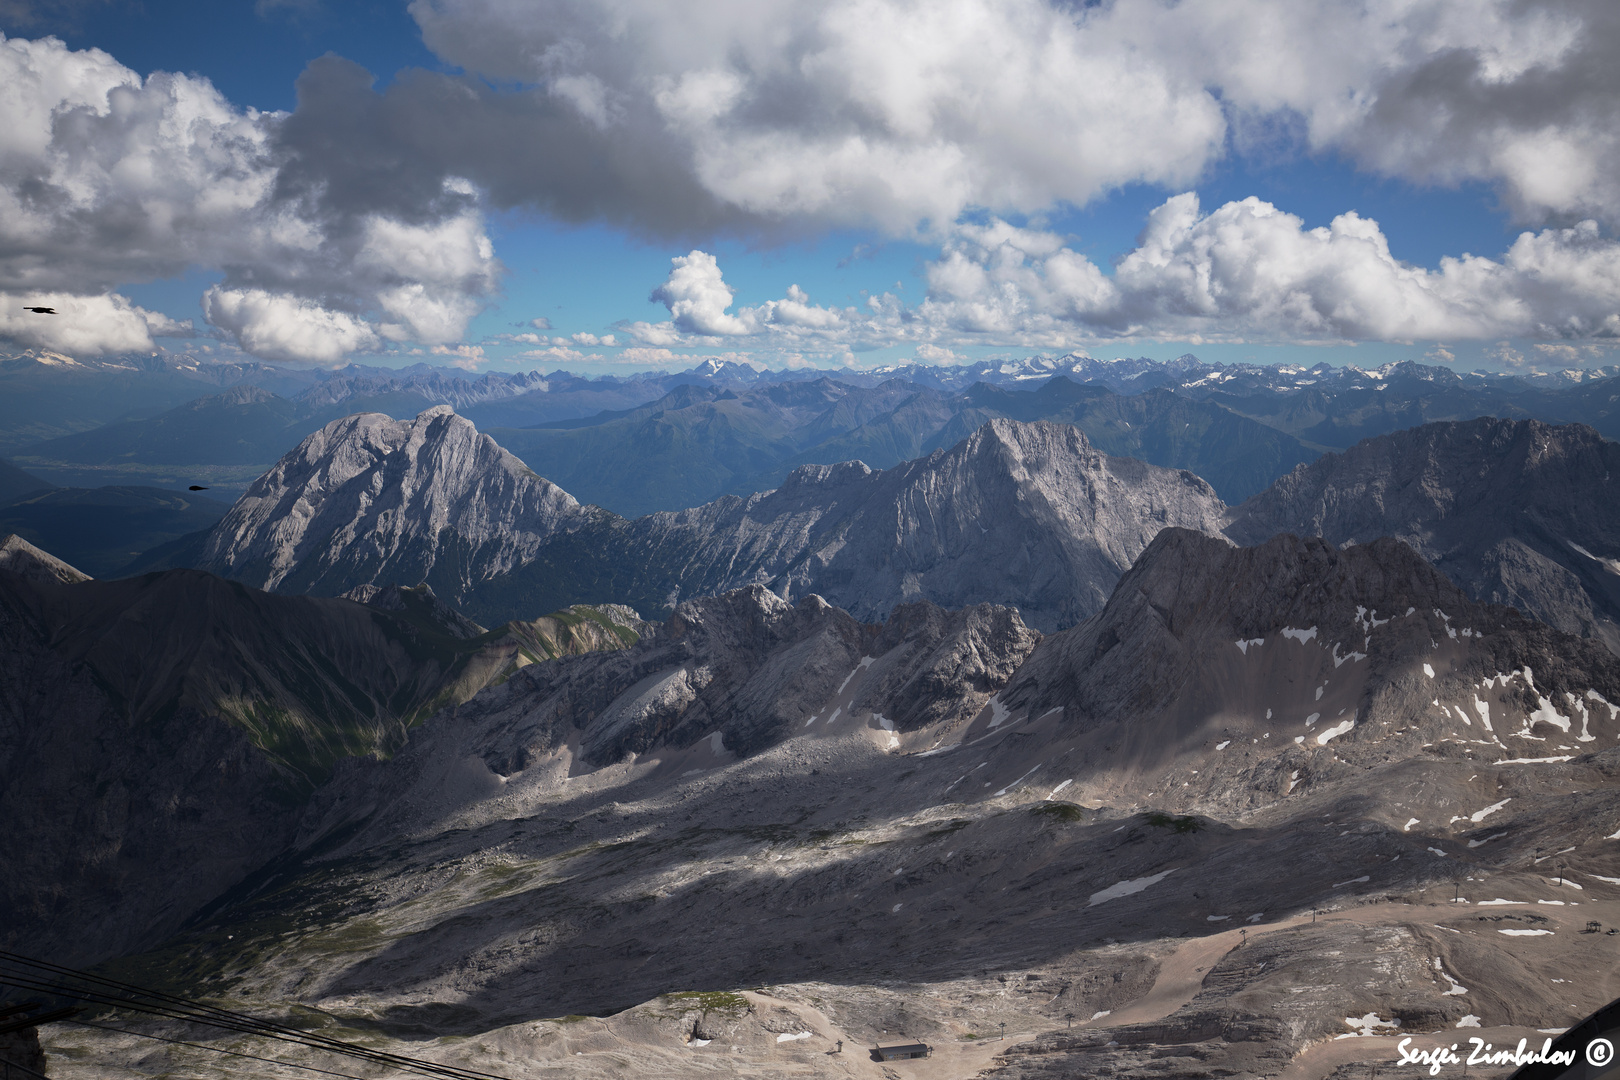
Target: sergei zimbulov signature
column 1599, row 1052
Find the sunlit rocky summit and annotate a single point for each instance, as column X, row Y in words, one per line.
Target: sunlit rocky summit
column 1024, row 514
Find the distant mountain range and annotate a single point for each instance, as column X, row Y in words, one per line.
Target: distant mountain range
column 698, row 443
column 1023, row 513
column 663, row 441
column 1030, row 514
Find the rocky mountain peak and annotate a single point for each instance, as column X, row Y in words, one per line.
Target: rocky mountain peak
column 373, row 500
column 19, row 557
column 1029, row 514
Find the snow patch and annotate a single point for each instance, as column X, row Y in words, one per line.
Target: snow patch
column 1128, row 888
column 1354, row 881
column 1526, row 933
column 866, row 662
column 1313, row 718
column 1480, row 815
column 1488, row 839
column 1456, row 989
column 998, row 712
column 1216, row 918
column 803, row 1034
column 1468, row 1021
column 1224, row 745
column 1301, row 636
column 1409, row 825
column 1243, row 646
column 1428, row 670
column 1335, row 731
column 1546, row 713
column 1015, row 783
column 1370, row 1024
column 1060, row 787
column 1586, row 718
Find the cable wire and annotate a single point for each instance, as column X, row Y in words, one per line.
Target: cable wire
column 37, row 975
column 215, row 1049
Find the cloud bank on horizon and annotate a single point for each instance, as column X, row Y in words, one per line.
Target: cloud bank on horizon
column 361, row 218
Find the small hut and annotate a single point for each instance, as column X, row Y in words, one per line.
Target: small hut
column 901, row 1053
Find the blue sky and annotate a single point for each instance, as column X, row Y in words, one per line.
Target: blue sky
column 551, row 164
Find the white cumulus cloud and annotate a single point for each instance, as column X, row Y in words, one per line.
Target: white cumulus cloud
column 904, row 114
column 108, row 178
column 278, row 326
column 83, row 325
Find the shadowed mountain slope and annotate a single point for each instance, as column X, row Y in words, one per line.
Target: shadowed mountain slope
column 158, row 735
column 1515, row 511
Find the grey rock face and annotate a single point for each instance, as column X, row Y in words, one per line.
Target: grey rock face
column 1515, row 511
column 1314, row 662
column 371, row 500
column 1025, row 514
column 730, row 675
